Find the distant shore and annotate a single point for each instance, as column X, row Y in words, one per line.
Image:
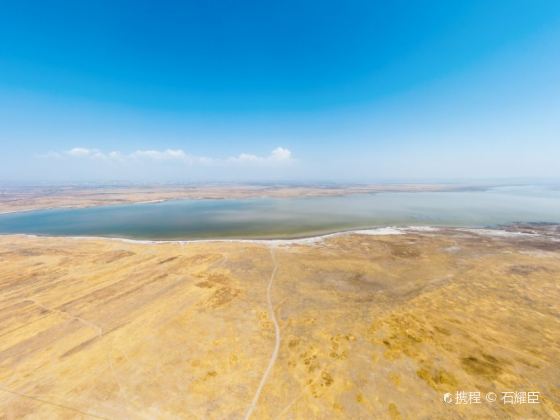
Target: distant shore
column 27, row 199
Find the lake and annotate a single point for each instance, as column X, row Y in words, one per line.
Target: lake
column 292, row 217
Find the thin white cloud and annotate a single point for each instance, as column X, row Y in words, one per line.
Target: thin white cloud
column 81, row 151
column 177, row 154
column 167, row 155
column 280, row 155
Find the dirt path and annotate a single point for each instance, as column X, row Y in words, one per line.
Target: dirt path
column 274, row 355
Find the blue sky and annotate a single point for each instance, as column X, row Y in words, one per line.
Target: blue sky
column 355, row 91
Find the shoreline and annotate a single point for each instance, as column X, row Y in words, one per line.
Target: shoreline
column 310, row 240
column 86, row 206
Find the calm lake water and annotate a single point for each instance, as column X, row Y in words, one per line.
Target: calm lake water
column 281, row 218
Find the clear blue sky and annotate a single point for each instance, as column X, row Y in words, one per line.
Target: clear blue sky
column 309, row 90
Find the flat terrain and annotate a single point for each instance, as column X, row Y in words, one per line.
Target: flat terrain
column 34, row 198
column 353, row 326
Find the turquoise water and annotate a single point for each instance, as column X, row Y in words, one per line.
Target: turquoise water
column 297, row 217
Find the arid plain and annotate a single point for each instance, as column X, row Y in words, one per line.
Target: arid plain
column 349, row 326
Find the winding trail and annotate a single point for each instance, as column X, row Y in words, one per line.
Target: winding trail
column 274, row 355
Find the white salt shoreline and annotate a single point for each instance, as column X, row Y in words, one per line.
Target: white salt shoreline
column 302, row 241
column 311, row 240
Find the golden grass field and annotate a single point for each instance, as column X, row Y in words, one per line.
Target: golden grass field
column 369, row 327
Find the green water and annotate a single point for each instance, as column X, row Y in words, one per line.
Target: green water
column 297, row 217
